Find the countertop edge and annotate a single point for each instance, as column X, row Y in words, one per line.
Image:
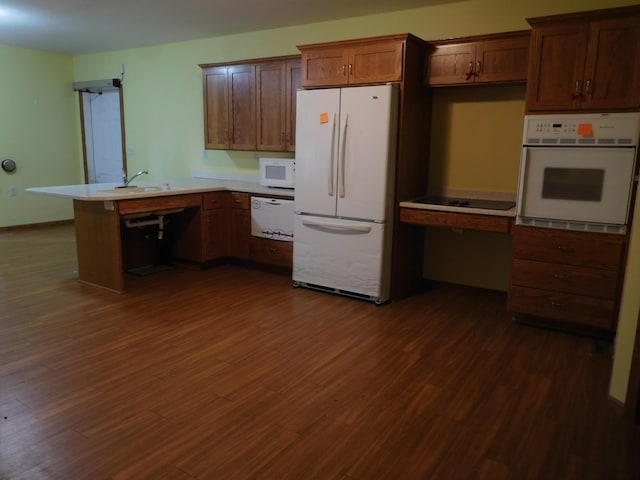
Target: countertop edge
column 97, row 192
column 448, row 209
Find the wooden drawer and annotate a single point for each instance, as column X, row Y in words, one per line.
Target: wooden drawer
column 239, row 200
column 212, row 200
column 579, row 310
column 487, row 223
column 570, row 248
column 155, row 204
column 590, row 282
column 271, row 252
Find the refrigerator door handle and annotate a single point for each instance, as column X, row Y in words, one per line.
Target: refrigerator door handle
column 344, row 159
column 332, row 158
column 335, row 226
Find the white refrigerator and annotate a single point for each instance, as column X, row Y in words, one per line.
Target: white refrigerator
column 345, row 170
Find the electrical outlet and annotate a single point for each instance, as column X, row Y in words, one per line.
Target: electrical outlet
column 12, row 191
column 204, row 154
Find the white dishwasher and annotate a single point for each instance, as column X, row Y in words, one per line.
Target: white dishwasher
column 272, row 218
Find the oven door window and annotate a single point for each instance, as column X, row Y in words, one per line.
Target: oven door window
column 582, row 184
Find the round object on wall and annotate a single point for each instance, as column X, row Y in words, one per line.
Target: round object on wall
column 8, row 165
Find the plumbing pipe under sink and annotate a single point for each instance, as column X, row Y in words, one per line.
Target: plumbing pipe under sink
column 131, row 222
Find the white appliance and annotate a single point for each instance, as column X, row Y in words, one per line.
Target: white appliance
column 272, row 218
column 277, row 172
column 577, row 171
column 345, row 170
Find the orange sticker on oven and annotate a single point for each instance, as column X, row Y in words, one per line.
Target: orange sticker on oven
column 324, row 118
column 585, row 129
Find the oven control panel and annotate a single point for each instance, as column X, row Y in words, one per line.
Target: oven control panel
column 617, row 129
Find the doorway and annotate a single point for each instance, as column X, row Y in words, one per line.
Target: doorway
column 103, row 143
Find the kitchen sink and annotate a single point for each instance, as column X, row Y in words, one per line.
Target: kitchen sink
column 130, row 190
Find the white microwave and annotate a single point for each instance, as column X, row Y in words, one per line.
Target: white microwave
column 278, row 172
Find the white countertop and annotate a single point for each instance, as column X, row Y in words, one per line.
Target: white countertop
column 109, row 191
column 483, row 195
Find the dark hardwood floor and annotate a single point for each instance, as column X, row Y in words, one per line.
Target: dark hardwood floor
column 230, row 373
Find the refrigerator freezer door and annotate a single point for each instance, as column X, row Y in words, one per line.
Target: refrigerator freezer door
column 367, row 152
column 341, row 256
column 317, row 139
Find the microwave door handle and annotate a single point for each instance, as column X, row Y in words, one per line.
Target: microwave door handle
column 344, row 157
column 332, row 162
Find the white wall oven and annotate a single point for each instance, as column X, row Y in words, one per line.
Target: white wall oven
column 577, row 171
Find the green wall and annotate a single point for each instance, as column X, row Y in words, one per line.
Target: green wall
column 37, row 131
column 39, row 125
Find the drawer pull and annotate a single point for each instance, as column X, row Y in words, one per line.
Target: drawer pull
column 559, row 305
column 561, row 276
column 565, row 248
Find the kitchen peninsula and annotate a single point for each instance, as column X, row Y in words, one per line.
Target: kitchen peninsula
column 209, row 220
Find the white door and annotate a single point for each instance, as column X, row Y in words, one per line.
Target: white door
column 341, row 255
column 103, row 137
column 317, row 139
column 366, row 167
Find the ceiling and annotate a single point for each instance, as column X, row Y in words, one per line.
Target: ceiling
column 77, row 27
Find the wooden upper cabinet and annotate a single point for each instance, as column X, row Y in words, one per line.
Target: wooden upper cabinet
column 586, row 61
column 276, row 85
column 216, row 108
column 499, row 58
column 251, row 105
column 353, row 62
column 230, row 107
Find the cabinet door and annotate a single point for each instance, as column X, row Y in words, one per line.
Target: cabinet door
column 239, row 227
column 294, row 82
column 612, row 72
column 242, row 96
column 451, row 64
column 502, row 60
column 271, row 85
column 216, row 108
column 556, row 69
column 375, row 63
column 324, row 67
column 215, row 234
column 276, row 86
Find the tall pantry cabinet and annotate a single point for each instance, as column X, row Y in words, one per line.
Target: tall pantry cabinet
column 584, row 62
column 399, row 59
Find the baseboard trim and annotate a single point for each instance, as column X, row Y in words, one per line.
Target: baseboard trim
column 31, row 226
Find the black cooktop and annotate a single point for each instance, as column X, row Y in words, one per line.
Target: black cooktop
column 468, row 202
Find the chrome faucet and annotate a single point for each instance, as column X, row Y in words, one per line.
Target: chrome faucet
column 127, row 182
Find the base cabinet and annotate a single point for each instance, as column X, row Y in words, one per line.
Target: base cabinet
column 271, row 252
column 573, row 278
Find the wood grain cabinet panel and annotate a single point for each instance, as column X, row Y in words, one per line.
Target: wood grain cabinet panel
column 230, row 107
column 585, row 61
column 353, row 62
column 571, row 277
column 499, row 58
column 271, row 252
column 251, row 105
column 276, row 86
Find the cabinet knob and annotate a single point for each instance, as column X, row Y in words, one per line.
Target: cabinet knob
column 350, row 69
column 344, row 69
column 564, row 248
column 559, row 305
column 587, row 87
column 478, row 68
